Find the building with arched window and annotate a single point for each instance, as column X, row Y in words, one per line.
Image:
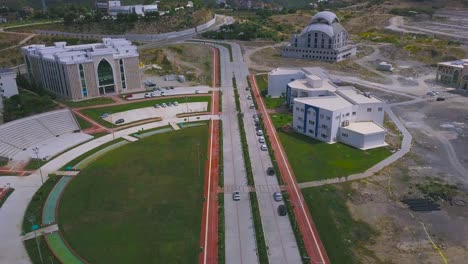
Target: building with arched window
column 322, row 39
column 84, row 71
column 453, row 73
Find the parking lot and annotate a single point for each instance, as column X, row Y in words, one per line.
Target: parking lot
column 152, row 112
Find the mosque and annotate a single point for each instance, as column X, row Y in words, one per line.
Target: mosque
column 324, row 38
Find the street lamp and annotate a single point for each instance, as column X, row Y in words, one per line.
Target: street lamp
column 31, row 220
column 36, row 150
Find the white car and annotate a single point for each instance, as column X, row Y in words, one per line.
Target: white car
column 431, row 94
column 176, row 103
column 252, row 106
column 261, row 140
column 147, row 95
column 263, row 147
column 259, row 133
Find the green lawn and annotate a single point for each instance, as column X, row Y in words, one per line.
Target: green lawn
column 83, row 123
column 89, row 102
column 314, row 160
column 270, row 103
column 340, row 233
column 141, row 203
column 94, row 113
column 279, row 119
column 34, row 164
column 31, row 248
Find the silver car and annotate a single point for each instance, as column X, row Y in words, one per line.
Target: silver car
column 261, row 140
column 236, row 196
column 277, row 197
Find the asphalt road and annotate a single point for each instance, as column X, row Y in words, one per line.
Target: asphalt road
column 240, row 245
column 279, row 236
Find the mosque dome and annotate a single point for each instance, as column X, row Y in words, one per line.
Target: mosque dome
column 326, row 22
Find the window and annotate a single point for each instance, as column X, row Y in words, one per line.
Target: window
column 324, row 135
column 344, row 135
column 354, row 113
column 84, row 89
column 297, row 108
column 325, row 126
column 122, row 74
column 299, row 118
column 311, row 131
column 380, row 109
column 302, row 110
column 299, row 127
column 369, row 109
column 311, row 122
column 321, row 116
column 347, row 114
column 328, row 118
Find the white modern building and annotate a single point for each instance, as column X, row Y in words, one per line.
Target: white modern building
column 324, row 38
column 8, row 86
column 453, row 73
column 115, row 8
column 84, row 71
column 329, row 113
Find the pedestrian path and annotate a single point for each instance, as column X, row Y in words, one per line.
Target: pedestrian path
column 60, row 249
column 174, row 126
column 42, row 231
column 66, row 173
column 48, row 213
column 130, row 138
column 82, row 164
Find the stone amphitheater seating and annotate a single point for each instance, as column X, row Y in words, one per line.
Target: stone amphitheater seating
column 23, row 133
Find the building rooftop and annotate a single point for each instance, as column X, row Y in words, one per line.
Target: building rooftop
column 365, row 128
column 304, row 84
column 457, row 64
column 331, row 103
column 282, row 71
column 356, row 97
column 119, row 48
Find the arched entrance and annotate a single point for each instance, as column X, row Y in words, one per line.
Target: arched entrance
column 105, row 77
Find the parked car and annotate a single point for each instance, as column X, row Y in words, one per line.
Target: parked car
column 261, row 140
column 167, row 88
column 128, row 96
column 236, row 196
column 270, row 171
column 157, row 106
column 176, row 103
column 259, row 132
column 436, row 92
column 249, row 97
column 171, row 87
column 197, row 91
column 147, row 95
column 282, row 210
column 440, row 99
column 277, row 197
column 153, row 94
column 247, row 88
column 431, row 93
column 169, row 104
column 255, row 116
column 119, row 121
column 164, row 105
column 256, row 120
column 252, row 106
column 263, row 147
column 162, row 93
column 105, row 115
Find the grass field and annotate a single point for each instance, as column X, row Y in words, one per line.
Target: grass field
column 314, row 160
column 341, row 235
column 83, row 123
column 34, row 164
column 94, row 113
column 89, row 102
column 141, row 203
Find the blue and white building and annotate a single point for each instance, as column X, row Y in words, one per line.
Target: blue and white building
column 329, row 113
